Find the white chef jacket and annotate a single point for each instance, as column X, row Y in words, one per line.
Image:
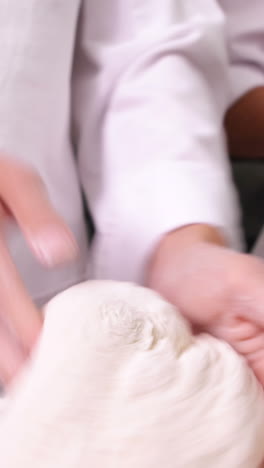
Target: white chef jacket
column 245, row 33
column 123, row 99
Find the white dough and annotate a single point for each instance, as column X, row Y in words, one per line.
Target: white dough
column 117, row 381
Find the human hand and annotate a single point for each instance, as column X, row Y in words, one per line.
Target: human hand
column 218, row 290
column 23, row 199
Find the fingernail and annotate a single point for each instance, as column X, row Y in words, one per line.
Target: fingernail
column 55, row 247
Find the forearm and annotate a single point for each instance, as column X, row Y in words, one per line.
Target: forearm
column 176, row 243
column 163, row 160
column 195, row 233
column 245, row 125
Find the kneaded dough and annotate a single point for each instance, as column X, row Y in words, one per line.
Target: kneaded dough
column 117, row 380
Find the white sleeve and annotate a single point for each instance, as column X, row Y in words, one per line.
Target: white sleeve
column 37, row 42
column 245, row 27
column 161, row 160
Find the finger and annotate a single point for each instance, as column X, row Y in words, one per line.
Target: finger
column 16, row 306
column 250, row 346
column 256, row 362
column 251, row 308
column 235, row 330
column 24, row 195
column 246, row 338
column 11, row 357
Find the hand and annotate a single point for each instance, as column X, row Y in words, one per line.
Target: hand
column 24, row 199
column 218, row 290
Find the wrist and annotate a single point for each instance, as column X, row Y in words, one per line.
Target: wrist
column 180, row 242
column 188, row 236
column 186, row 263
column 194, row 233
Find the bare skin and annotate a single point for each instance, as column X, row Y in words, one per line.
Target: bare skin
column 245, row 126
column 218, row 290
column 24, row 199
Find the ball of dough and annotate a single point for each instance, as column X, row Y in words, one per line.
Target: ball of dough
column 117, row 380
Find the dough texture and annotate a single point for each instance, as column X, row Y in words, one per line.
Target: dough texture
column 118, row 381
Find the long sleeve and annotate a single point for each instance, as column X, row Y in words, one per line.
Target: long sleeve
column 245, row 29
column 37, row 43
column 148, row 126
column 37, row 40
